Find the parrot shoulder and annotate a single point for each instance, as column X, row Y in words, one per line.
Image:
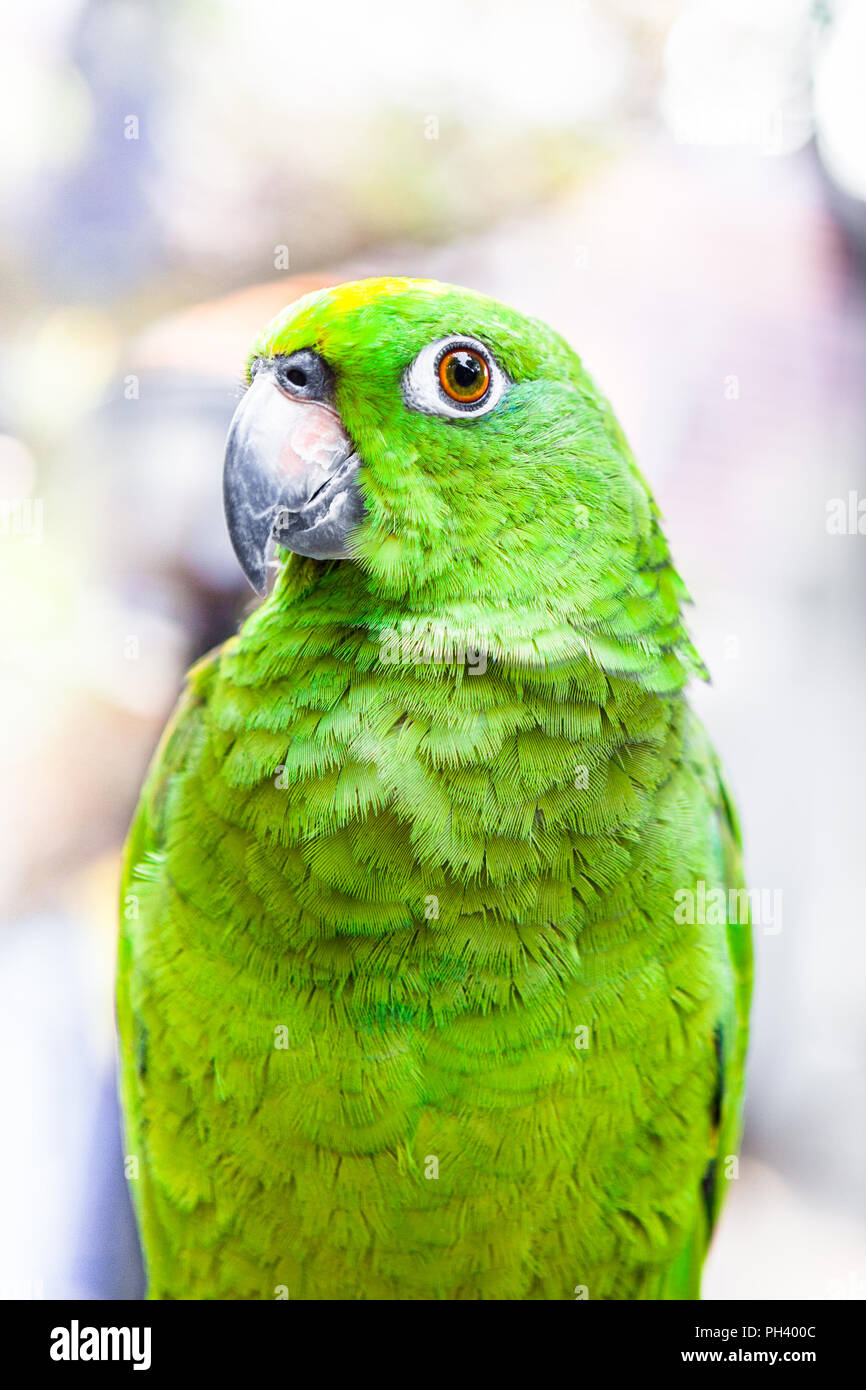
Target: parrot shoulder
column 730, row 1035
column 180, row 734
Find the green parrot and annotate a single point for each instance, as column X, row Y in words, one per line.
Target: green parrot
column 418, row 994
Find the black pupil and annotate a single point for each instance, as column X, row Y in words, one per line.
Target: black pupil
column 296, row 376
column 466, row 370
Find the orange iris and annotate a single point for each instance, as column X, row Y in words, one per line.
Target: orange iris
column 464, row 375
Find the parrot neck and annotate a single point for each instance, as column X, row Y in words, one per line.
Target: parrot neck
column 639, row 638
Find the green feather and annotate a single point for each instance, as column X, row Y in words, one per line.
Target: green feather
column 372, row 906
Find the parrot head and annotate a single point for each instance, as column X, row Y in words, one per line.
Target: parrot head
column 449, row 450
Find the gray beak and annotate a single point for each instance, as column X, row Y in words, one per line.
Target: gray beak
column 290, row 476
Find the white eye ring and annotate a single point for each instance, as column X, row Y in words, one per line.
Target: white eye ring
column 422, row 390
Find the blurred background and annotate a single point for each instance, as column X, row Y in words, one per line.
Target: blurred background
column 680, row 189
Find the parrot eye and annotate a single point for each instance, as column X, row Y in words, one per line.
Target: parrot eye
column 454, row 377
column 464, row 375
